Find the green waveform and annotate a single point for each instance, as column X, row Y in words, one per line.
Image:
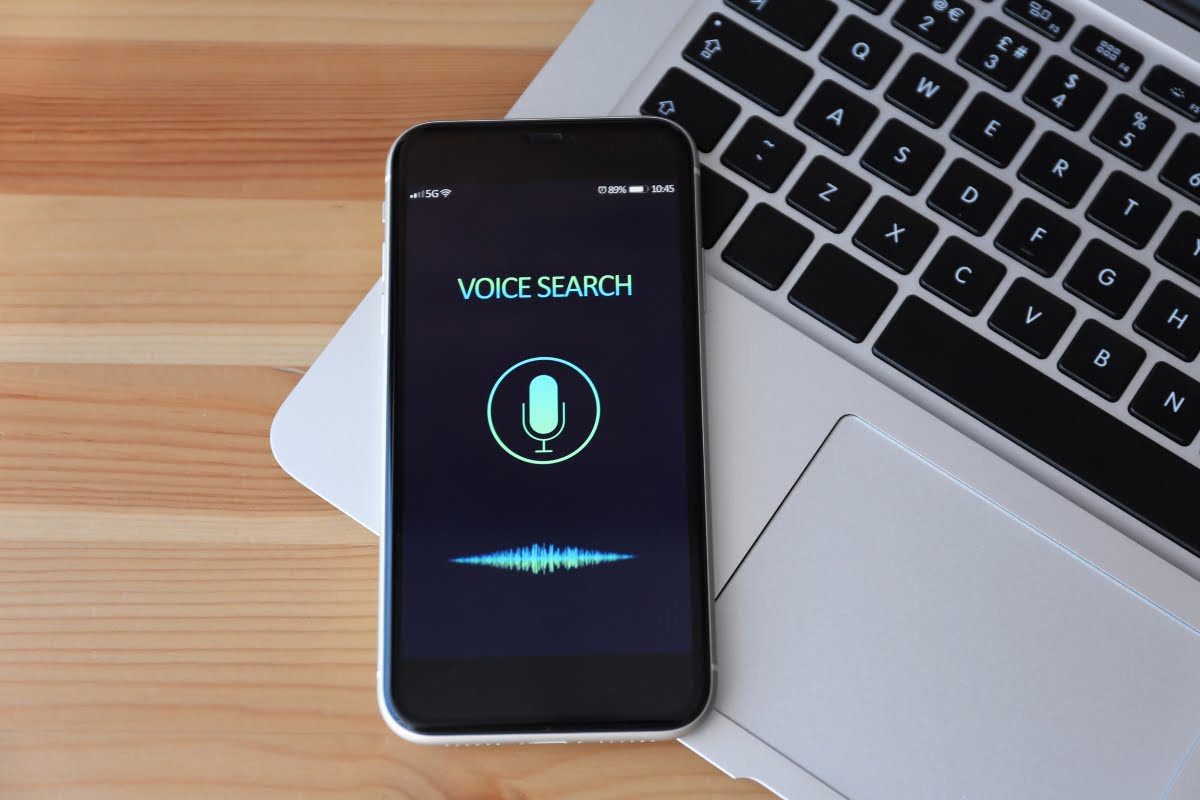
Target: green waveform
column 542, row 558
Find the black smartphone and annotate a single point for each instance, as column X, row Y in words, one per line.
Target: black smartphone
column 545, row 559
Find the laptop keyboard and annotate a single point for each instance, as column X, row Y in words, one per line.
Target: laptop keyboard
column 1054, row 264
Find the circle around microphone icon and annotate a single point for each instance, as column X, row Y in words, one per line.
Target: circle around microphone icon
column 557, row 406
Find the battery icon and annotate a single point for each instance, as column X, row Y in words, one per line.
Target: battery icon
column 636, row 189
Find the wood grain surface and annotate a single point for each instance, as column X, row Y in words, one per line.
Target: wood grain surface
column 189, row 207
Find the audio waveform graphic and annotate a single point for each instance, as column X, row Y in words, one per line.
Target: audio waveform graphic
column 542, row 558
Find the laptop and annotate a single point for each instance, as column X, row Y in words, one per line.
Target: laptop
column 952, row 256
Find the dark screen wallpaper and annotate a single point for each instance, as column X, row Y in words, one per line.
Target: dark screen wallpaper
column 588, row 554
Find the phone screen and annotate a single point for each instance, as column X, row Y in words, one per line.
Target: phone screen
column 546, row 456
column 544, row 465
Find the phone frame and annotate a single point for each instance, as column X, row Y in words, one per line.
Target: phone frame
column 702, row 660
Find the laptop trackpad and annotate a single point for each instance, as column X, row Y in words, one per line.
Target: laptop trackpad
column 899, row 636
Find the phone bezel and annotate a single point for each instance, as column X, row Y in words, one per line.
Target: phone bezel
column 565, row 697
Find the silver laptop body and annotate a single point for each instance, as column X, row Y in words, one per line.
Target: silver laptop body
column 915, row 598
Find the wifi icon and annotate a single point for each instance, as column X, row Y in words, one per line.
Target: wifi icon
column 445, row 192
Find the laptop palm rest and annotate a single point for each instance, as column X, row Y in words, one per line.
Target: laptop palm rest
column 897, row 635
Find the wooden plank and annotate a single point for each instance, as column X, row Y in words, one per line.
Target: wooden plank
column 222, row 119
column 292, row 766
column 465, row 23
column 168, row 440
column 181, row 280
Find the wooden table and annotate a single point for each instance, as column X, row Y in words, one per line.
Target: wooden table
column 189, row 207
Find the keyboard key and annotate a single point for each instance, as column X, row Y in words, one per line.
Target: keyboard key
column 874, row 6
column 767, row 246
column 842, row 292
column 998, row 54
column 1109, row 54
column 962, row 276
column 1059, row 169
column 1182, row 170
column 743, row 61
column 1045, row 417
column 1037, row 237
column 969, row 196
column 762, row 154
column 828, row 194
column 1180, row 248
column 1106, row 278
column 1133, row 131
column 1174, row 91
column 1171, row 318
column 720, row 201
column 895, row 234
column 1031, row 318
column 1102, row 360
column 706, row 114
column 1128, row 209
column 1065, row 93
column 860, row 51
column 926, row 90
column 799, row 24
column 992, row 130
column 934, row 22
column 837, row 117
column 903, row 157
column 1163, row 404
column 1048, row 19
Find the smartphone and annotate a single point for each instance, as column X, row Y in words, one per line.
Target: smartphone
column 544, row 571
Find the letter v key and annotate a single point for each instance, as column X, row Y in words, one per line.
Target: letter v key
column 1031, row 315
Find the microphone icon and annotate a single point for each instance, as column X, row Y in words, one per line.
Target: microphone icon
column 544, row 417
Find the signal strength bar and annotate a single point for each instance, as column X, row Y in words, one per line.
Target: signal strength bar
column 415, row 195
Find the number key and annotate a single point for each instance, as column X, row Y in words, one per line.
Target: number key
column 1182, row 170
column 937, row 23
column 998, row 54
column 1133, row 131
column 1065, row 93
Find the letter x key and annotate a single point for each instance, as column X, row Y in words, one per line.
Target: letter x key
column 895, row 234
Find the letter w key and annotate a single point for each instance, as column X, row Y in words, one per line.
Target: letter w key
column 926, row 90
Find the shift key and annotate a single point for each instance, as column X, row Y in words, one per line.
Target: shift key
column 752, row 66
